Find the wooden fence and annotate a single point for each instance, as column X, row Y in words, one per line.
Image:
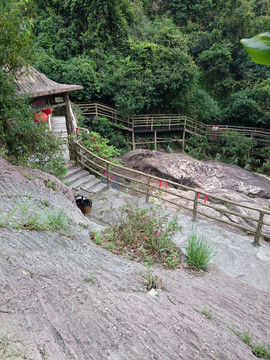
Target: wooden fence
column 195, row 202
column 169, row 122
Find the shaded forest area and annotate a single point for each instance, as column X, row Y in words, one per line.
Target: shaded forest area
column 174, row 56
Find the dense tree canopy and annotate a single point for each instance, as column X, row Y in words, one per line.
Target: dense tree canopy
column 157, row 56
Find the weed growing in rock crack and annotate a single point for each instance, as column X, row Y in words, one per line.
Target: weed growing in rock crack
column 207, row 313
column 142, row 233
column 198, row 251
column 261, row 351
column 96, row 237
column 56, row 220
column 90, row 279
column 246, row 338
column 152, row 281
column 29, row 218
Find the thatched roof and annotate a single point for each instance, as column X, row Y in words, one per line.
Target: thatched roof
column 35, row 84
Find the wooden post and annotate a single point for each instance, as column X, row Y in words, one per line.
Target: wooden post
column 96, row 110
column 258, row 231
column 155, row 135
column 133, row 141
column 70, row 128
column 108, row 177
column 147, row 190
column 195, row 205
column 184, row 135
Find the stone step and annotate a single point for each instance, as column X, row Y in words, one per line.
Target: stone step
column 73, row 170
column 79, row 180
column 78, row 175
column 82, row 181
column 98, row 187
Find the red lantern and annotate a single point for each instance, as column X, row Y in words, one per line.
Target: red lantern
column 40, row 117
column 47, row 111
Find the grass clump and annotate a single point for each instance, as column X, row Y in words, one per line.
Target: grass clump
column 56, row 220
column 198, row 251
column 261, row 351
column 25, row 216
column 144, row 234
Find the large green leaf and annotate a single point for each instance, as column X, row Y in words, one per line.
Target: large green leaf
column 258, row 48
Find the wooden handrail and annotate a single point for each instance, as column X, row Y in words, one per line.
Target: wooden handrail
column 152, row 122
column 150, row 186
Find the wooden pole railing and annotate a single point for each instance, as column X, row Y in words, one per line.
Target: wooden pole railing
column 149, row 186
column 165, row 122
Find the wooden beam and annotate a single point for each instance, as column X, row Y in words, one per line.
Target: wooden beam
column 70, row 128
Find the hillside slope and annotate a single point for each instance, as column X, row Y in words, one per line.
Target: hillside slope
column 63, row 297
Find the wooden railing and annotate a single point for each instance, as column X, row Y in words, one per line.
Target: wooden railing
column 168, row 122
column 151, row 186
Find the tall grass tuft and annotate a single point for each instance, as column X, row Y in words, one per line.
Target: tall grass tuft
column 198, row 251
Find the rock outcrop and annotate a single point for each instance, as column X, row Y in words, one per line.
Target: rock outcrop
column 63, row 297
column 214, row 178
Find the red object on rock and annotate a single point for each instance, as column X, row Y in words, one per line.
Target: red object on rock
column 40, row 117
column 47, row 111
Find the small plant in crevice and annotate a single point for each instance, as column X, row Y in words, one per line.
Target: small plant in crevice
column 152, row 281
column 90, row 279
column 261, row 351
column 25, row 216
column 207, row 313
column 56, row 220
column 198, row 251
column 146, row 234
column 246, row 337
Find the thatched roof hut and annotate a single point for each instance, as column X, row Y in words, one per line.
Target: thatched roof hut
column 46, row 93
column 36, row 84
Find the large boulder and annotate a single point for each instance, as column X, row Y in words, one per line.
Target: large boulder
column 207, row 175
column 226, row 181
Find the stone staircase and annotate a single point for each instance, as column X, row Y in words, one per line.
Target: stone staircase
column 82, row 182
column 79, row 180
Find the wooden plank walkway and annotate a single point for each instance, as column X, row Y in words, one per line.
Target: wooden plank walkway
column 169, row 122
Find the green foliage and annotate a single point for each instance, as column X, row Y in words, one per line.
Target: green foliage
column 24, row 141
column 204, row 107
column 189, row 10
column 145, row 232
column 207, row 313
column 246, row 337
column 261, row 351
column 56, row 220
column 236, row 148
column 15, row 40
column 258, row 48
column 265, row 168
column 105, row 128
column 95, row 143
column 25, row 216
column 158, row 57
column 242, row 105
column 198, row 251
column 197, row 146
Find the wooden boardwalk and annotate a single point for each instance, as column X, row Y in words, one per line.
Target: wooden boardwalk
column 160, row 123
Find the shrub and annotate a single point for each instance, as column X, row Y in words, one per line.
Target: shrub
column 106, row 129
column 236, row 148
column 198, row 251
column 198, row 147
column 95, row 143
column 146, row 233
column 261, row 351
